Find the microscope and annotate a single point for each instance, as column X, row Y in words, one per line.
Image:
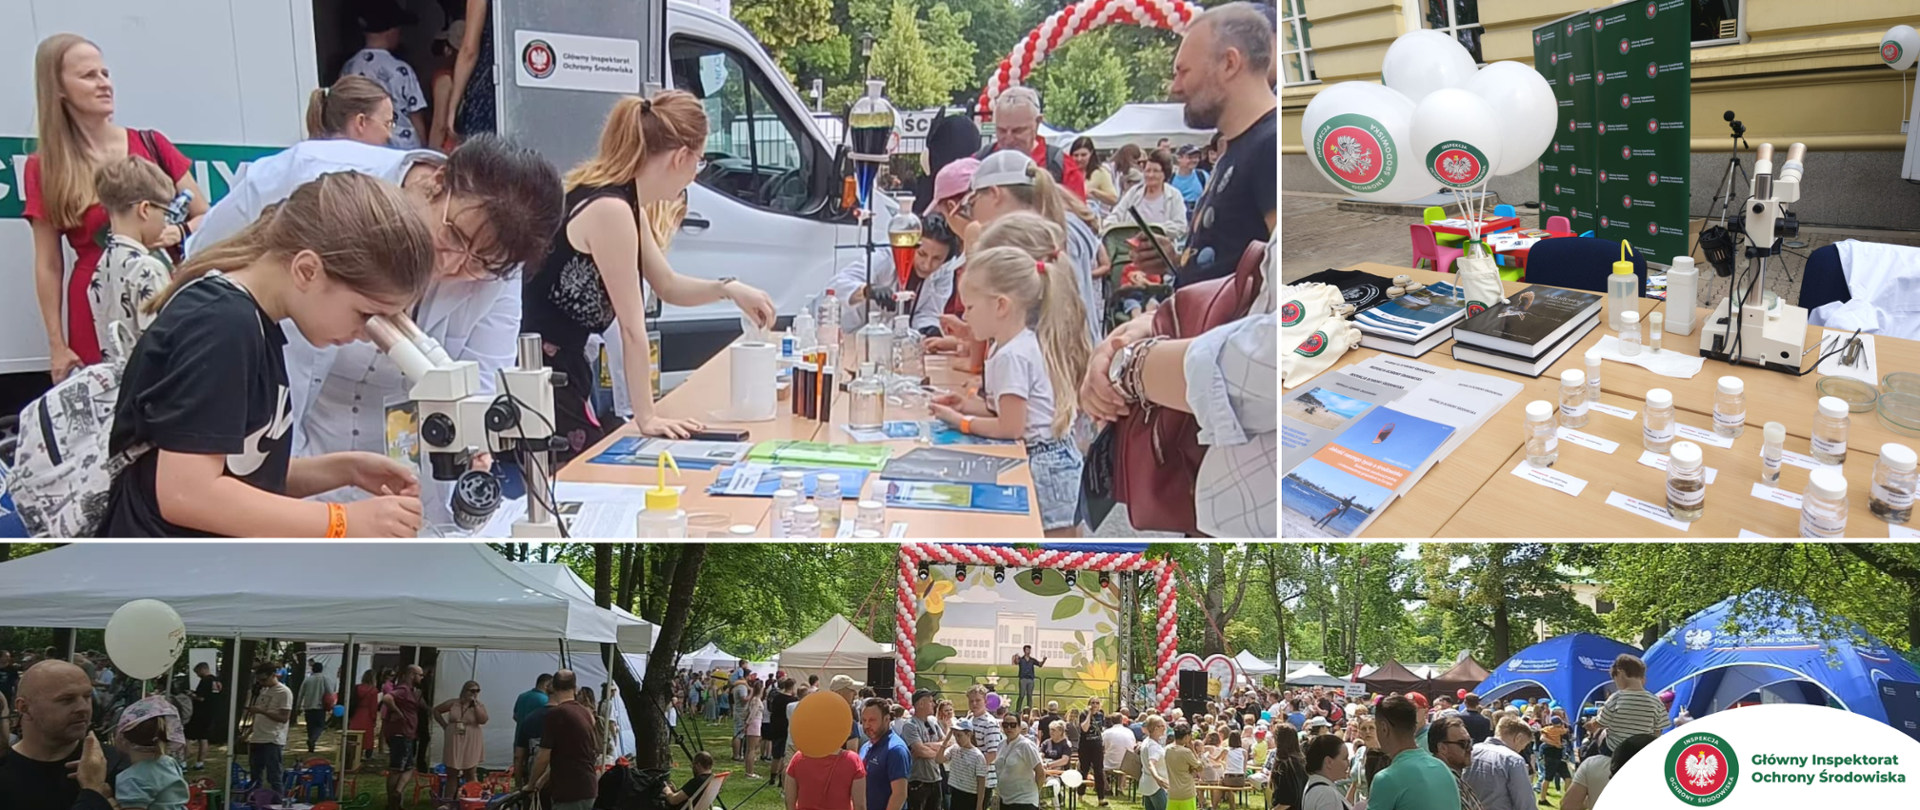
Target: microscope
column 1746, row 327
column 458, row 422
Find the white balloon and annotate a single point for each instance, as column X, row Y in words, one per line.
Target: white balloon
column 1456, row 137
column 1900, row 47
column 145, row 637
column 1359, row 137
column 1420, row 62
column 1524, row 107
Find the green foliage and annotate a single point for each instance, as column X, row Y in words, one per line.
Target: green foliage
column 952, row 53
column 1082, row 82
column 1494, row 594
column 782, row 26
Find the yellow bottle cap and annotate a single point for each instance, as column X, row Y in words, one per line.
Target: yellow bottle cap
column 664, row 498
column 1624, row 265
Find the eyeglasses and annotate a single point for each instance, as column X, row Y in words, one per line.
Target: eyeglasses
column 463, row 243
column 1465, row 745
column 965, row 211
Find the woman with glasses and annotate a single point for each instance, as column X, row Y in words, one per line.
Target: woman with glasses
column 462, row 719
column 491, row 207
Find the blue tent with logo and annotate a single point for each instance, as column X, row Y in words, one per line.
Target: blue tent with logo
column 1571, row 669
column 1712, row 664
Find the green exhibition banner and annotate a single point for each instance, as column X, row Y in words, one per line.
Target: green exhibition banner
column 215, row 167
column 1623, row 75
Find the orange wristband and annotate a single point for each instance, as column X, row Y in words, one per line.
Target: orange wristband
column 966, row 425
column 336, row 521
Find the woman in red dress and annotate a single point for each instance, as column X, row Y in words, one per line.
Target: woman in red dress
column 366, row 701
column 74, row 101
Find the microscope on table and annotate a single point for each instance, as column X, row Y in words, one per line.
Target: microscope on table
column 1746, row 327
column 458, row 422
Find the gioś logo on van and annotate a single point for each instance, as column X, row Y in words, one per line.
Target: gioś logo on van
column 1356, row 152
column 1457, row 164
column 538, row 58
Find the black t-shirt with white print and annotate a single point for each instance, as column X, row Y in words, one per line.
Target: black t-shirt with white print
column 1233, row 210
column 208, row 378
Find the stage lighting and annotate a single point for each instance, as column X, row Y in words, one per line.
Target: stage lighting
column 1038, row 575
column 1072, row 579
column 1105, row 580
column 925, row 572
column 960, row 573
column 999, row 574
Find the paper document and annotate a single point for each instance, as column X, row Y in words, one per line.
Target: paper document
column 1315, row 413
column 587, row 510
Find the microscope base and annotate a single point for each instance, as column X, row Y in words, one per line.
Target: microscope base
column 1773, row 343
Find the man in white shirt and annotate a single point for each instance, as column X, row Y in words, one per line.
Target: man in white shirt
column 491, row 206
column 986, row 732
column 1153, row 765
column 1020, row 769
column 271, row 709
column 313, row 703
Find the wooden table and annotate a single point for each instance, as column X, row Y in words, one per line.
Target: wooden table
column 1472, row 494
column 1487, row 226
column 707, row 392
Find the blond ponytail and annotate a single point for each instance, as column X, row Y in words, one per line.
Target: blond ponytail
column 331, row 109
column 1020, row 256
column 1048, row 199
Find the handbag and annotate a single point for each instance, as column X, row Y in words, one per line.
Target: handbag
column 1130, row 764
column 1156, row 451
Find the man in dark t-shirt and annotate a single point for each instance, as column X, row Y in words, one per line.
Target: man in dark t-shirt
column 400, row 711
column 57, row 710
column 567, row 765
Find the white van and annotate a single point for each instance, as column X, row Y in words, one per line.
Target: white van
column 228, row 83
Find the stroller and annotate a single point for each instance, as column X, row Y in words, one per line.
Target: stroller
column 1130, row 291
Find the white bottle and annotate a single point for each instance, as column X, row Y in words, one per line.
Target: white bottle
column 1772, row 453
column 1682, row 295
column 1543, row 446
column 829, row 319
column 1593, row 375
column 1657, row 423
column 1573, row 398
column 780, row 519
column 806, row 521
column 1823, row 509
column 1630, row 333
column 1623, row 294
column 1830, row 431
column 805, row 330
column 1730, row 408
column 663, row 518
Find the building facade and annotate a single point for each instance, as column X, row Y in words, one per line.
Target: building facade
column 1806, row 72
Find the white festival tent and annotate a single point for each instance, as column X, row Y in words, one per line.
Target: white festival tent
column 504, row 674
column 711, row 657
column 1146, row 124
column 1312, row 675
column 836, row 648
column 1254, row 665
column 636, row 634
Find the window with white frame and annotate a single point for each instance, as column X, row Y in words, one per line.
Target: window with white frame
column 1459, row 19
column 1718, row 22
column 1296, row 51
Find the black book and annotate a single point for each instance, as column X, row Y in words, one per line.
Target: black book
column 1519, row 364
column 1532, row 321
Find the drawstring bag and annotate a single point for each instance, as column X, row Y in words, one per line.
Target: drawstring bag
column 1323, row 347
column 1479, row 278
column 1302, row 308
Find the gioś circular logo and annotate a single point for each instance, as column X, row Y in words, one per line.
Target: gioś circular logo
column 538, row 58
column 1600, row 77
column 1653, row 70
column 1569, row 29
column 1556, row 188
column 1457, row 164
column 1626, row 100
column 1553, row 58
column 1702, row 769
column 1652, row 8
column 1603, row 175
column 1653, row 229
column 1355, row 151
column 1291, row 313
column 1603, row 222
column 1890, row 52
column 1653, row 178
column 1627, row 201
column 1626, row 152
column 1570, row 124
column 1599, row 23
column 1624, row 47
column 1313, row 345
column 1653, row 125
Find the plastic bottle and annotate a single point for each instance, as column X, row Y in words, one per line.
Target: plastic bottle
column 1772, row 452
column 1653, row 332
column 805, row 329
column 873, row 344
column 1543, row 447
column 1623, row 290
column 1894, row 480
column 1730, row 408
column 795, row 480
column 663, row 518
column 1686, row 482
column 1573, row 398
column 741, row 531
column 870, row 515
column 780, row 519
column 806, row 521
column 1683, row 295
column 867, row 397
column 909, row 360
column 1593, row 375
column 827, row 315
column 826, row 497
column 1630, row 333
column 1830, row 431
column 1657, row 422
column 1823, row 509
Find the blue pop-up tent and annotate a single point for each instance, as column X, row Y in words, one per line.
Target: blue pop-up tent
column 1771, row 659
column 1571, row 669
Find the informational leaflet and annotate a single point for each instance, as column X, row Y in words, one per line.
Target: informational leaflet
column 1459, row 399
column 1316, row 412
column 1392, row 371
column 1348, row 482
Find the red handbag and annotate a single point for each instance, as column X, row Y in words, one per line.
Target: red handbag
column 1156, row 450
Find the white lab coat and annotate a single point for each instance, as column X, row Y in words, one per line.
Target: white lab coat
column 927, row 306
column 1885, row 283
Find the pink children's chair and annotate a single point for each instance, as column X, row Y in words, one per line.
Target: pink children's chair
column 1425, row 247
column 1560, row 224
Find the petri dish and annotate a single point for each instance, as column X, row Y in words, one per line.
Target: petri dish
column 1900, row 411
column 1905, row 382
column 1859, row 396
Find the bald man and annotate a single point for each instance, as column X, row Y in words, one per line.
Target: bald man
column 57, row 765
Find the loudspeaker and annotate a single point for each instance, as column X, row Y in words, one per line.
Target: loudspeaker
column 1193, row 694
column 880, row 676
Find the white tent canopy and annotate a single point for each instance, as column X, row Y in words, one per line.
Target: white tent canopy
column 636, row 634
column 836, row 648
column 445, row 595
column 1254, row 665
column 503, row 675
column 1146, row 124
column 711, row 657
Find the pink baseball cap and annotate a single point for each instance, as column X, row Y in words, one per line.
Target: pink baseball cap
column 955, row 179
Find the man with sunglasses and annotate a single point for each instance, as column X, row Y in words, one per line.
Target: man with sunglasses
column 492, row 207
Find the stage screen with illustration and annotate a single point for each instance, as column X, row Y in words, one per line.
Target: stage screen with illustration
column 970, row 631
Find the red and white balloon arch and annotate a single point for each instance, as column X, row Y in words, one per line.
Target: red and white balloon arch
column 1072, row 21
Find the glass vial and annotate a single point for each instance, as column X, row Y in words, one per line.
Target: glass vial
column 806, row 521
column 869, row 400
column 1629, row 333
column 1686, row 482
column 826, row 497
column 795, row 480
column 1772, row 453
column 1573, row 398
column 1823, row 509
column 1543, row 447
column 1894, row 480
column 780, row 519
column 870, row 515
column 1830, row 431
column 1730, row 408
column 1656, row 423
column 1655, row 322
column 1593, row 375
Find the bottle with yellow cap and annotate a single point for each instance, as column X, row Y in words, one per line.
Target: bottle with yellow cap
column 663, row 518
column 1623, row 288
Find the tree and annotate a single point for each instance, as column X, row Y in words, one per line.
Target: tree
column 1493, row 593
column 646, row 707
column 952, row 52
column 782, row 26
column 1081, row 83
column 902, row 58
